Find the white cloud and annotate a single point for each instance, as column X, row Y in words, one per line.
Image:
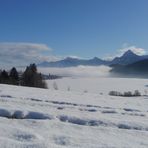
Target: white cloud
column 74, row 57
column 23, row 53
column 79, row 71
column 136, row 50
column 126, row 47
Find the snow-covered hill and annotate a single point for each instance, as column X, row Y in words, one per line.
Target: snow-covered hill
column 48, row 118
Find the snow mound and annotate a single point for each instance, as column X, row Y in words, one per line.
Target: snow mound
column 18, row 114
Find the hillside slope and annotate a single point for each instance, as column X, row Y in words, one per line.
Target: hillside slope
column 139, row 68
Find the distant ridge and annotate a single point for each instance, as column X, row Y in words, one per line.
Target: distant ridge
column 72, row 62
column 127, row 58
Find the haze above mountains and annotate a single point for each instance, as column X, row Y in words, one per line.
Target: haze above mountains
column 128, row 57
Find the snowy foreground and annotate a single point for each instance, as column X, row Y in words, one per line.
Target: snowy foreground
column 79, row 114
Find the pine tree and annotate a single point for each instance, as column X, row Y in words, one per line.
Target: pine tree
column 32, row 78
column 4, row 77
column 14, row 77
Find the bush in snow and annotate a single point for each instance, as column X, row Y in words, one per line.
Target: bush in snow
column 137, row 93
column 125, row 94
column 114, row 93
column 128, row 94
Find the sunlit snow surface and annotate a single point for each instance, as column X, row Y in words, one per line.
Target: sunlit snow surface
column 79, row 114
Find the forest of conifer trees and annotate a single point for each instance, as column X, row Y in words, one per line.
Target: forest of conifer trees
column 30, row 77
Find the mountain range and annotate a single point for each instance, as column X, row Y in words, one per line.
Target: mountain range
column 127, row 58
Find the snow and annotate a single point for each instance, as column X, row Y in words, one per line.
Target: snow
column 100, row 85
column 84, row 116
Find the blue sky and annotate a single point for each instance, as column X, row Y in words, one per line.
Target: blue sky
column 83, row 28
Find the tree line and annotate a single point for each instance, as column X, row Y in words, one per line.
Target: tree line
column 30, row 77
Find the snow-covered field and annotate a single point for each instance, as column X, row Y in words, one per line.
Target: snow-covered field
column 79, row 114
column 102, row 85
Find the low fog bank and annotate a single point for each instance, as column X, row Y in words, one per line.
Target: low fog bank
column 79, row 71
column 88, row 71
